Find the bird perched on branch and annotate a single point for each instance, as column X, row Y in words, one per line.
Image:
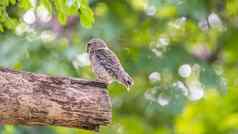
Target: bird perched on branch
column 106, row 65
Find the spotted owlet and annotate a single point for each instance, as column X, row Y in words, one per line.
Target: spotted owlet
column 106, row 65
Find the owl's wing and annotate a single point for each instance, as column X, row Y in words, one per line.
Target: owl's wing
column 108, row 60
column 111, row 64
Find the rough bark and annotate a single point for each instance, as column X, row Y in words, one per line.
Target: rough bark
column 36, row 99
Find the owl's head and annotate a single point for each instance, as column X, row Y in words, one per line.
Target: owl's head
column 95, row 44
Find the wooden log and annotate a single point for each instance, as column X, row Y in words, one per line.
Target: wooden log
column 37, row 99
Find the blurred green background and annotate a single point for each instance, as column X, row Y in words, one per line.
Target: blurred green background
column 182, row 55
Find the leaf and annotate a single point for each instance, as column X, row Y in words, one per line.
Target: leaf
column 86, row 16
column 13, row 2
column 62, row 18
column 11, row 23
column 9, row 129
column 61, row 13
column 25, row 4
column 1, row 28
column 47, row 4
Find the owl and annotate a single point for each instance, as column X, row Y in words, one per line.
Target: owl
column 106, row 65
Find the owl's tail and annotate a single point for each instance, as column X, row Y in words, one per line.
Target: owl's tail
column 125, row 79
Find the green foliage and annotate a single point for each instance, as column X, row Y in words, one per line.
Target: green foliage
column 8, row 129
column 62, row 8
column 6, row 21
column 209, row 116
column 150, row 37
column 86, row 14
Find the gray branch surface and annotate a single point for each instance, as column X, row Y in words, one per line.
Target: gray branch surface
column 37, row 99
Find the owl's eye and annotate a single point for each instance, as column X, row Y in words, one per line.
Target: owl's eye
column 89, row 44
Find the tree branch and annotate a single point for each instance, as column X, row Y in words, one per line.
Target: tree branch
column 36, row 99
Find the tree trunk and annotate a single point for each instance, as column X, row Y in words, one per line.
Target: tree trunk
column 36, row 99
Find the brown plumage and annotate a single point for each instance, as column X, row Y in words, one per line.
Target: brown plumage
column 106, row 65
